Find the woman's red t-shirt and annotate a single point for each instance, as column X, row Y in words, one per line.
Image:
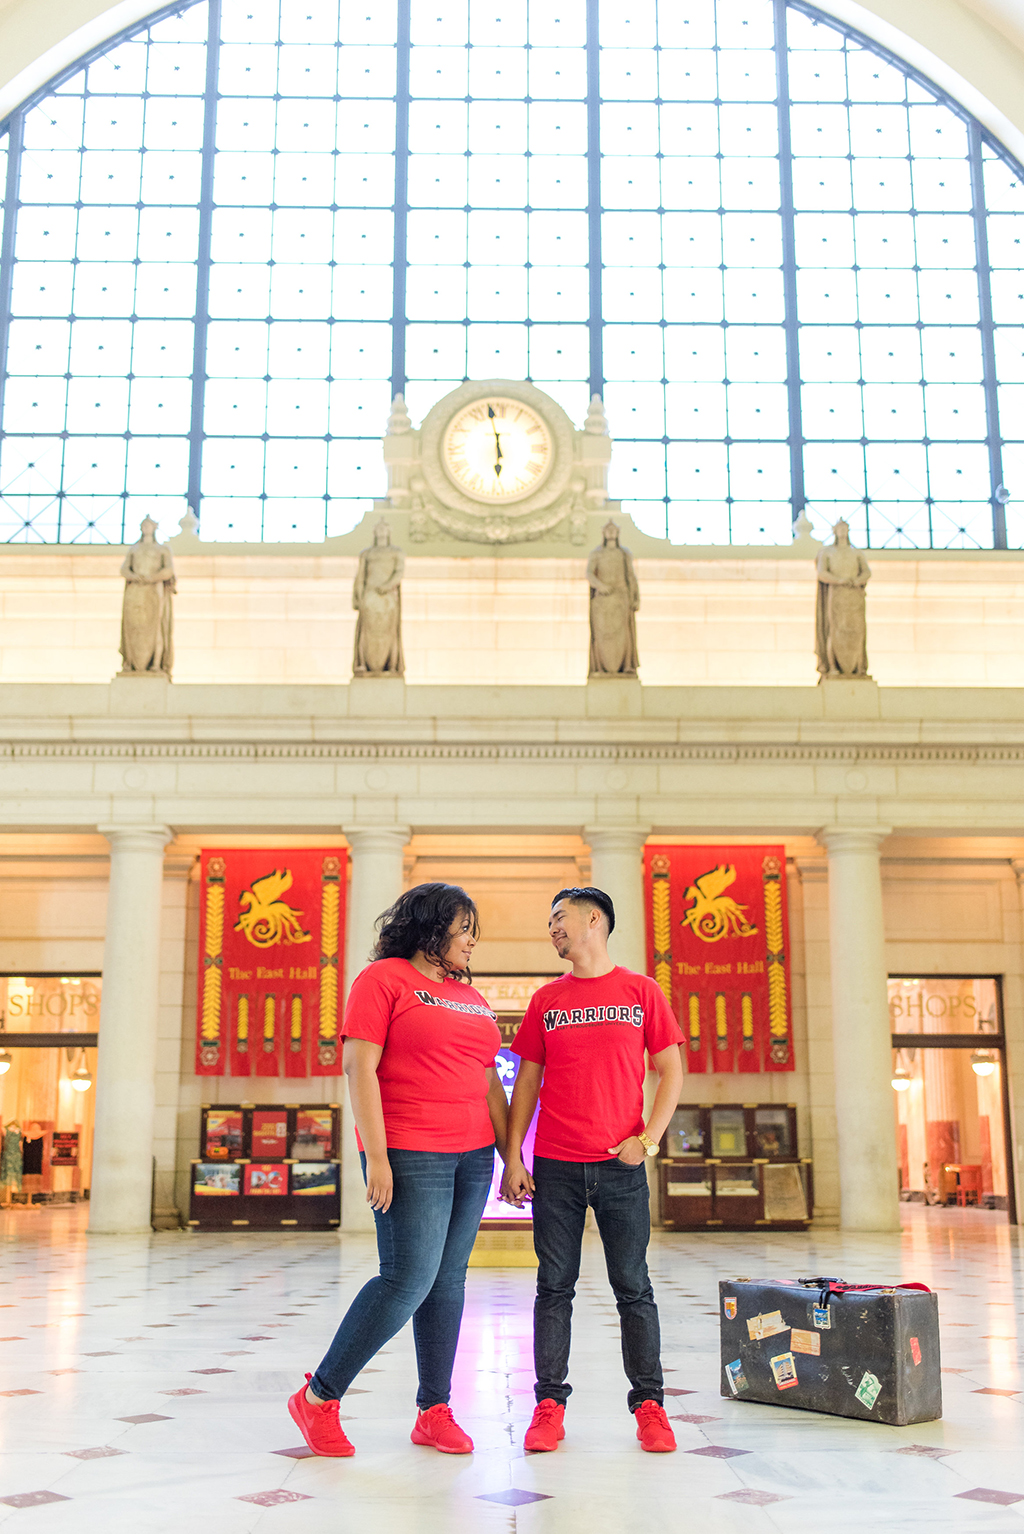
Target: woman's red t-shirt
column 439, row 1039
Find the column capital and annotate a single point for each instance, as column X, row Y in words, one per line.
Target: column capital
column 1017, row 864
column 377, row 838
column 136, row 838
column 852, row 838
column 616, row 838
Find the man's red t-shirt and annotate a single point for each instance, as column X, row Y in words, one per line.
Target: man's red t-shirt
column 590, row 1037
column 439, row 1039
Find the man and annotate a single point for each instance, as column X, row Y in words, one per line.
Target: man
column 584, row 1037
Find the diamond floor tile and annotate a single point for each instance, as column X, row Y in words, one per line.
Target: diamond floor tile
column 719, row 1451
column 749, row 1497
column 513, row 1498
column 274, row 1498
column 33, row 1498
column 989, row 1494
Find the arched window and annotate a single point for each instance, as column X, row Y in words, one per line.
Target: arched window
column 790, row 264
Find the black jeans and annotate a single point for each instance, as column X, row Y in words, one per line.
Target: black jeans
column 621, row 1203
column 424, row 1241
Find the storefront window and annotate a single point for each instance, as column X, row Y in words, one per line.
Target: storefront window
column 949, row 1099
column 47, row 1093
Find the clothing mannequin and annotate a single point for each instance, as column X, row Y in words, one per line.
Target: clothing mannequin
column 10, row 1161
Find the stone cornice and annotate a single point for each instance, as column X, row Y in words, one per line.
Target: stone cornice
column 497, row 751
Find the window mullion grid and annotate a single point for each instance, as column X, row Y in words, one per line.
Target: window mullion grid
column 594, row 194
column 988, row 343
column 15, row 139
column 401, row 233
column 796, row 436
column 202, row 319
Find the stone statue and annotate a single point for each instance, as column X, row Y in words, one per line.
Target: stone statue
column 377, row 598
column 147, row 619
column 840, row 635
column 614, row 599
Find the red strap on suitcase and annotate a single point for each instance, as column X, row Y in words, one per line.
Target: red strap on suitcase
column 827, row 1287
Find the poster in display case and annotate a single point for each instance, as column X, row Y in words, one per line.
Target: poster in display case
column 314, row 1134
column 269, row 1132
column 266, row 1178
column 317, row 1178
column 216, row 1178
column 222, row 1139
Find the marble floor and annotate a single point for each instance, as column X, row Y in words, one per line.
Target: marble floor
column 104, row 1426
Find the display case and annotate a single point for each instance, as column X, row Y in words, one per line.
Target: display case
column 265, row 1166
column 734, row 1166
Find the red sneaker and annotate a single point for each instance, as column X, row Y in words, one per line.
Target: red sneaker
column 545, row 1428
column 438, row 1429
column 652, row 1428
column 319, row 1425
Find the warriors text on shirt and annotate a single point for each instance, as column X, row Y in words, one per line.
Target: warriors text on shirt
column 430, row 1000
column 593, row 1017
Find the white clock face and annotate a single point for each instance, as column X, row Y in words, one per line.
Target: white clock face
column 497, row 449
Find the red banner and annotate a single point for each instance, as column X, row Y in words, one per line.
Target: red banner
column 271, row 945
column 718, row 945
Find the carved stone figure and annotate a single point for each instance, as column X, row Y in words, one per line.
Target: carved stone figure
column 147, row 620
column 614, row 599
column 377, row 598
column 840, row 636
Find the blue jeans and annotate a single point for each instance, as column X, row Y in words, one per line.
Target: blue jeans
column 423, row 1242
column 621, row 1204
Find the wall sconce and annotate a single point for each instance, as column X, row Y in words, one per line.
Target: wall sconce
column 983, row 1062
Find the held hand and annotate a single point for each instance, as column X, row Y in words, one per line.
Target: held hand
column 516, row 1184
column 630, row 1151
column 379, row 1184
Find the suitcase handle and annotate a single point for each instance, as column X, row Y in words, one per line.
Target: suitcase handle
column 827, row 1287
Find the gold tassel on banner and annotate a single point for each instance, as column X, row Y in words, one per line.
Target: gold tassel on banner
column 330, row 900
column 778, row 1008
column 242, row 1026
column 269, row 1020
column 662, row 923
column 746, row 1021
column 694, row 1021
column 721, row 1022
column 210, row 1021
column 295, row 1034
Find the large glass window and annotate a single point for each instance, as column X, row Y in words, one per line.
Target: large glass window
column 789, row 263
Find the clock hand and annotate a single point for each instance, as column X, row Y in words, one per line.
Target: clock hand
column 497, row 443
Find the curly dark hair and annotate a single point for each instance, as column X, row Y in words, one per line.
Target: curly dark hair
column 420, row 921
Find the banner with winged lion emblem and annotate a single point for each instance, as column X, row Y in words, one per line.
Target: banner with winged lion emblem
column 271, row 941
column 718, row 945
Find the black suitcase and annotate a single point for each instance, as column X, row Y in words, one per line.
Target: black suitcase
column 855, row 1350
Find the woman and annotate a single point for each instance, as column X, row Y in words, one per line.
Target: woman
column 429, row 1107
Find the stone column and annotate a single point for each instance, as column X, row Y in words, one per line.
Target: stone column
column 377, row 854
column 122, row 1163
column 616, row 866
column 865, row 1117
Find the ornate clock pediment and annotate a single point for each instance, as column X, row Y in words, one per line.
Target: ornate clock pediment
column 497, row 462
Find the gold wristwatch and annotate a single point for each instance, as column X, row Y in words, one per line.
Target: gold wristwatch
column 650, row 1146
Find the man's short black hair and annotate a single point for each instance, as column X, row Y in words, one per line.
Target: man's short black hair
column 587, row 894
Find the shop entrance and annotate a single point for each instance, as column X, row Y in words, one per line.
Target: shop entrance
column 48, row 1033
column 949, row 1081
